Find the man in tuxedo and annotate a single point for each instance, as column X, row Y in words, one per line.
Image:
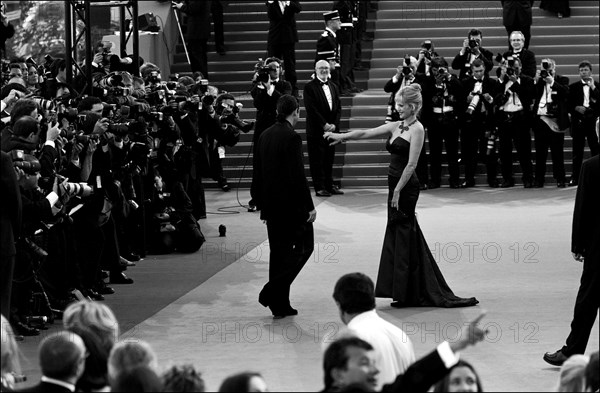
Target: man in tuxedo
column 470, row 51
column 323, row 113
column 586, row 249
column 62, row 362
column 328, row 46
column 266, row 93
column 216, row 10
column 517, row 15
column 283, row 35
column 514, row 98
column 584, row 106
column 551, row 119
column 519, row 51
column 280, row 190
column 198, row 32
column 478, row 124
column 350, row 361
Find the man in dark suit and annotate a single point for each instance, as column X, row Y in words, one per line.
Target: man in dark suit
column 517, row 15
column 584, row 106
column 280, row 190
column 323, row 113
column 62, row 362
column 216, row 10
column 551, row 119
column 478, row 124
column 515, row 94
column 349, row 361
column 266, row 93
column 470, row 51
column 10, row 223
column 198, row 32
column 283, row 36
column 586, row 249
column 517, row 50
column 328, row 46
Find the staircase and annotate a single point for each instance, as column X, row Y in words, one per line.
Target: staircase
column 400, row 27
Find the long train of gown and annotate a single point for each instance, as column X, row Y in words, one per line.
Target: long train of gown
column 408, row 272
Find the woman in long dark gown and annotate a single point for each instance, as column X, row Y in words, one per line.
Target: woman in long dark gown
column 408, row 272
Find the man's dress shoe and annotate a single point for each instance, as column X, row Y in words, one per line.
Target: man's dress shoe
column 323, row 193
column 335, row 190
column 120, row 278
column 279, row 314
column 556, row 359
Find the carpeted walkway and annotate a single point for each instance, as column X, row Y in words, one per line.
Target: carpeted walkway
column 509, row 248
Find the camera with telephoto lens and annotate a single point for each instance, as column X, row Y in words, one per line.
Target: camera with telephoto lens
column 120, row 129
column 26, row 162
column 154, row 77
column 473, row 43
column 491, row 143
column 44, row 104
column 545, row 71
column 406, row 70
column 263, row 74
column 78, row 189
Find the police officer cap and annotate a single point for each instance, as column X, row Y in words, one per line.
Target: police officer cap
column 331, row 15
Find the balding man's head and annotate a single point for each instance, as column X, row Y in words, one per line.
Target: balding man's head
column 322, row 70
column 62, row 356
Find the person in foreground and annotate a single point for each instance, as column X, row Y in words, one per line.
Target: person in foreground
column 586, row 249
column 408, row 272
column 349, row 364
column 280, row 191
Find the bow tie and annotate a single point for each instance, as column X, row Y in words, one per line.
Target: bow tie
column 323, row 83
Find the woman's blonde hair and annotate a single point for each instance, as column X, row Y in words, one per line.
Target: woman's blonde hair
column 91, row 317
column 572, row 374
column 411, row 96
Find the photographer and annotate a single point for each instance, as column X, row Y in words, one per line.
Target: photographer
column 584, row 105
column 426, row 54
column 267, row 87
column 514, row 100
column 58, row 86
column 550, row 123
column 443, row 102
column 471, row 50
column 406, row 74
column 519, row 51
column 478, row 135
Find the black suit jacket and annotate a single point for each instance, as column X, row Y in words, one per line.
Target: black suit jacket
column 576, row 99
column 586, row 217
column 266, row 105
column 420, row 376
column 279, row 187
column 45, row 387
column 10, row 208
column 517, row 12
column 318, row 112
column 198, row 21
column 462, row 62
column 559, row 94
column 525, row 89
column 282, row 27
column 489, row 86
column 528, row 61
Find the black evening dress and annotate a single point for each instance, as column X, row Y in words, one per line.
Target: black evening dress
column 408, row 273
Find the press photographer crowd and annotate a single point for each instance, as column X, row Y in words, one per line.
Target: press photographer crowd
column 102, row 179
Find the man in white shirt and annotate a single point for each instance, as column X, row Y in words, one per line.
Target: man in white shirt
column 354, row 295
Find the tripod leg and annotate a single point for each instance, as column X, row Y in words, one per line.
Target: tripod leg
column 182, row 37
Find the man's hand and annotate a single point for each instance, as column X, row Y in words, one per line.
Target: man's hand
column 312, row 216
column 101, row 126
column 488, row 98
column 91, row 147
column 13, row 96
column 578, row 257
column 53, row 132
column 471, row 334
column 76, row 150
column 176, row 5
column 329, row 127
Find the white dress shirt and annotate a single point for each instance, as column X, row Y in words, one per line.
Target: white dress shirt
column 586, row 94
column 514, row 103
column 394, row 351
column 327, row 92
